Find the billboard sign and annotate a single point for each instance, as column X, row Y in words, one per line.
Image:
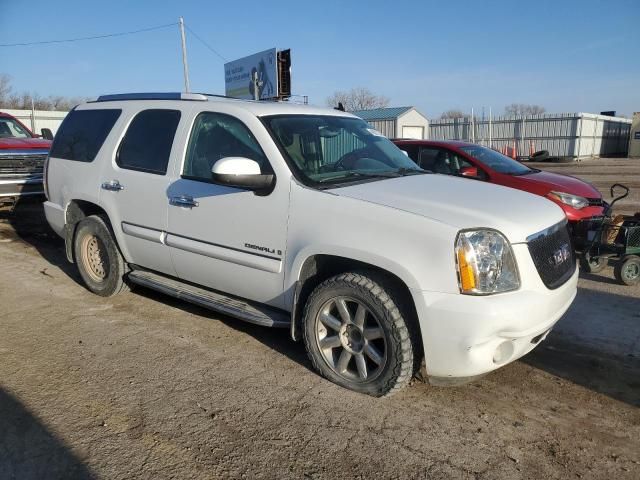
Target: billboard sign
column 238, row 76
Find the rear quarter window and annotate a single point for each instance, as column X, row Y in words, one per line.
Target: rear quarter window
column 82, row 134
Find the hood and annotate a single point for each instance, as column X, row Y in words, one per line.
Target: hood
column 560, row 183
column 462, row 203
column 24, row 143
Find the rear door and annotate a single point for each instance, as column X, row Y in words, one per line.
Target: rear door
column 134, row 186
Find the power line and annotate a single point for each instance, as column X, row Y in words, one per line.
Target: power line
column 205, row 43
column 108, row 35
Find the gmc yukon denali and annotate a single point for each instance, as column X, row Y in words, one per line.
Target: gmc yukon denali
column 22, row 156
column 306, row 218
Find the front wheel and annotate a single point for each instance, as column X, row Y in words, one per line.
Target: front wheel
column 99, row 260
column 627, row 270
column 356, row 336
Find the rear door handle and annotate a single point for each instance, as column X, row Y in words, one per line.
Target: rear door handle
column 183, row 201
column 112, row 186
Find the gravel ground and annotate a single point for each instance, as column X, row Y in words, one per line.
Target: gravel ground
column 143, row 386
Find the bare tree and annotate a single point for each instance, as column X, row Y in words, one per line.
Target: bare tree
column 453, row 114
column 517, row 109
column 23, row 101
column 359, row 98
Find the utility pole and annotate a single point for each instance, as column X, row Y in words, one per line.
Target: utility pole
column 490, row 132
column 33, row 116
column 256, row 86
column 185, row 66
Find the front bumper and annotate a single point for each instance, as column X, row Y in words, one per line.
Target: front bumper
column 21, row 172
column 466, row 336
column 21, row 186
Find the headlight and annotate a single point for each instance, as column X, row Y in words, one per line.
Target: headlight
column 574, row 201
column 485, row 263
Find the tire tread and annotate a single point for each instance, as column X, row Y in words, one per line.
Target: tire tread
column 374, row 284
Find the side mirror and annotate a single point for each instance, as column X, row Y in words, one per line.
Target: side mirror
column 47, row 134
column 469, row 172
column 241, row 172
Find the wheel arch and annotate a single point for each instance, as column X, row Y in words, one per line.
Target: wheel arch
column 316, row 268
column 76, row 210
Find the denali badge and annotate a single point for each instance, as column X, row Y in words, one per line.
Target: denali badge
column 262, row 249
column 562, row 255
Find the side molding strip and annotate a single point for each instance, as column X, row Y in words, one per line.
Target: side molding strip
column 227, row 254
column 142, row 232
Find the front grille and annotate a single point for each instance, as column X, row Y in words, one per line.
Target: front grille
column 553, row 256
column 22, row 163
column 595, row 202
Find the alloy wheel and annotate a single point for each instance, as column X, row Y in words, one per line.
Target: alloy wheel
column 351, row 339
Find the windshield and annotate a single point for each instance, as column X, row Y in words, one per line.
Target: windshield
column 328, row 150
column 9, row 128
column 496, row 161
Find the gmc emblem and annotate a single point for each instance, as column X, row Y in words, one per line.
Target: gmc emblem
column 561, row 255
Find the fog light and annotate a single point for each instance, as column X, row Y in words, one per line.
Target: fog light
column 504, row 352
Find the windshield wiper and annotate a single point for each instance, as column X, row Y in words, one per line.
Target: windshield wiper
column 527, row 172
column 401, row 172
column 350, row 175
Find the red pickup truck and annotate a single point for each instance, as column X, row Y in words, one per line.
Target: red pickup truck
column 22, row 155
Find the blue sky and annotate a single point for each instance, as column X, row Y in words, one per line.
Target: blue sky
column 563, row 55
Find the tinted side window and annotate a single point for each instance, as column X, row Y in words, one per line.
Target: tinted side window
column 412, row 152
column 215, row 136
column 82, row 134
column 147, row 144
column 429, row 158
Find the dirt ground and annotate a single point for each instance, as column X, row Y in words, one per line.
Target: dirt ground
column 143, row 386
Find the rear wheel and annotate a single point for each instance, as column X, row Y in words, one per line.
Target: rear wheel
column 627, row 270
column 99, row 261
column 356, row 336
column 593, row 264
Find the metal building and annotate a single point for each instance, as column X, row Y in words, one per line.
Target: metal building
column 397, row 122
column 38, row 119
column 563, row 135
column 634, row 136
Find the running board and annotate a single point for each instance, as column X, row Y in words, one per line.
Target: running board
column 218, row 302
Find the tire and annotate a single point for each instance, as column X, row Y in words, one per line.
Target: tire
column 374, row 336
column 563, row 160
column 99, row 260
column 593, row 264
column 539, row 156
column 627, row 270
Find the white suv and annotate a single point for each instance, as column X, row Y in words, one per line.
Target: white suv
column 306, row 218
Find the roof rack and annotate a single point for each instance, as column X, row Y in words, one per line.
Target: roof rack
column 153, row 96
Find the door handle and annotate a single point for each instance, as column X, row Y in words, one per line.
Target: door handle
column 112, row 186
column 183, row 201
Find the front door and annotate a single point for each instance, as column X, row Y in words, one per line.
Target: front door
column 134, row 188
column 226, row 238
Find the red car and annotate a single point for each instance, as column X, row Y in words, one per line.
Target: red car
column 578, row 199
column 22, row 156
